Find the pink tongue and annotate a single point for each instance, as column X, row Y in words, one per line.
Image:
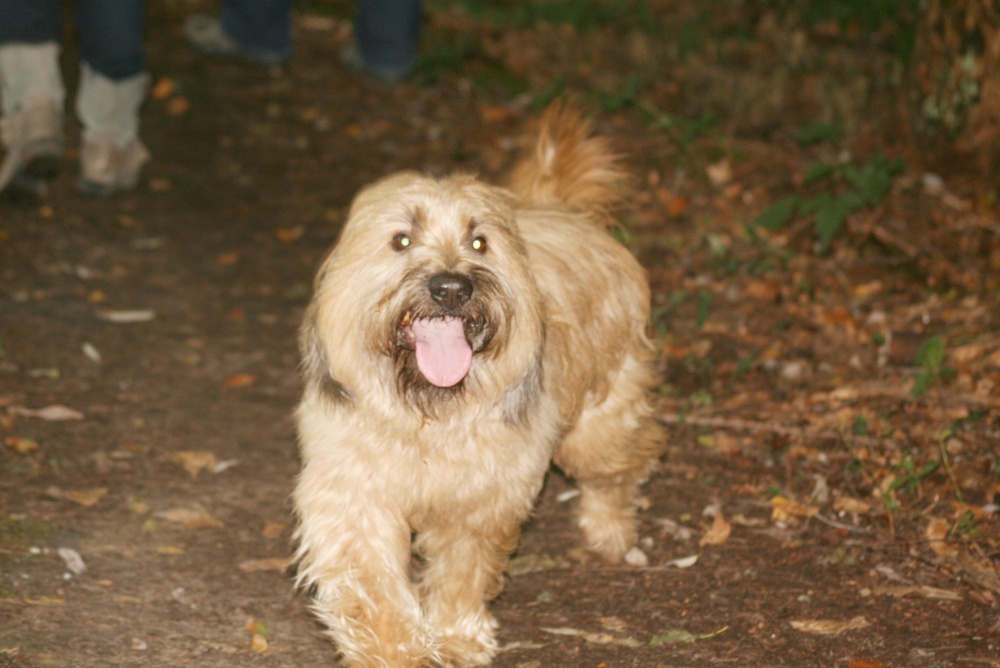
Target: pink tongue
column 443, row 354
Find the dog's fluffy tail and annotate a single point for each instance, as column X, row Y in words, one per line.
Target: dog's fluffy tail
column 570, row 166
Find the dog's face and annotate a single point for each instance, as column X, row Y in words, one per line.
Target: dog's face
column 427, row 294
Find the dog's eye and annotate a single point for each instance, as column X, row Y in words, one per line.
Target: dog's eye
column 401, row 241
column 479, row 244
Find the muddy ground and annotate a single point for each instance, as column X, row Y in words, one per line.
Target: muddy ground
column 800, row 467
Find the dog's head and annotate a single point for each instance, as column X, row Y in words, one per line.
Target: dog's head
column 429, row 284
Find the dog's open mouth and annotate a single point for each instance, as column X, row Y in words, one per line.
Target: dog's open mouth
column 444, row 355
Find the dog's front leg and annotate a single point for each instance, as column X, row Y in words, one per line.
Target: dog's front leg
column 463, row 571
column 358, row 562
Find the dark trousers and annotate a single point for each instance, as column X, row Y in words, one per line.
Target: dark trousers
column 110, row 31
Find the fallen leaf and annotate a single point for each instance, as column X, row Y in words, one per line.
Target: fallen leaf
column 239, row 380
column 194, row 461
column 594, row 638
column 84, row 497
column 533, row 563
column 494, row 113
column 849, row 504
column 74, row 562
column 718, row 534
column 289, row 234
column 613, row 624
column 127, row 317
column 720, row 173
column 935, row 593
column 192, row 518
column 227, row 259
column 45, row 600
column 279, row 564
column 178, row 106
column 636, row 557
column 865, row 664
column 22, row 446
column 829, row 627
column 937, row 537
column 170, row 550
column 684, row 562
column 786, row 510
column 52, row 413
column 258, row 643
column 274, row 530
column 163, row 89
column 160, row 185
column 674, row 636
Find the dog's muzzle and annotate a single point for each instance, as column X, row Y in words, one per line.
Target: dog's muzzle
column 443, row 338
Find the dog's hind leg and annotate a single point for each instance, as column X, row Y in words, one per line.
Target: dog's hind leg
column 610, row 451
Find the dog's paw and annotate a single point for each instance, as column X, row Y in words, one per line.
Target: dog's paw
column 473, row 645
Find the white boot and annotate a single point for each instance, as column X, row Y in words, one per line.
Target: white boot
column 32, row 95
column 112, row 154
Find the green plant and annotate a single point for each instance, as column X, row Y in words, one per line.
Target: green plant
column 848, row 187
column 908, row 476
column 930, row 358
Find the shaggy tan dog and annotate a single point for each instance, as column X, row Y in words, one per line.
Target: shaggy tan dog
column 461, row 337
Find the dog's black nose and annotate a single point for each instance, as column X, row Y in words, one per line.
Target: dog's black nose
column 450, row 290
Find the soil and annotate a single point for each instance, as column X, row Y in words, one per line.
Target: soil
column 166, row 320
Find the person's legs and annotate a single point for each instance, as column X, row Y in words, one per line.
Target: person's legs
column 256, row 30
column 260, row 26
column 387, row 33
column 111, row 34
column 113, row 86
column 29, row 21
column 31, row 92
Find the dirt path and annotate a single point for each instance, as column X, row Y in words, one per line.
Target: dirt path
column 167, row 318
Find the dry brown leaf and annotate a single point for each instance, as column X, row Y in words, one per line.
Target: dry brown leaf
column 53, row 413
column 192, row 518
column 178, row 106
column 787, row 510
column 594, row 638
column 239, row 380
column 45, row 600
column 850, row 504
column 274, row 530
column 84, row 497
column 194, row 461
column 258, row 643
column 289, row 234
column 163, row 89
column 718, row 534
column 613, row 624
column 900, row 591
column 937, row 537
column 227, row 259
column 829, row 627
column 170, row 550
column 762, row 289
column 22, row 446
column 279, row 564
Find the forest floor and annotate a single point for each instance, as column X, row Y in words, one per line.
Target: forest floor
column 826, row 304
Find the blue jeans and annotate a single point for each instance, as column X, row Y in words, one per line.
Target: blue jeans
column 388, row 34
column 387, row 31
column 260, row 27
column 110, row 31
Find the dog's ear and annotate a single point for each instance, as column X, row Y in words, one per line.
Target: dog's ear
column 520, row 398
column 316, row 366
